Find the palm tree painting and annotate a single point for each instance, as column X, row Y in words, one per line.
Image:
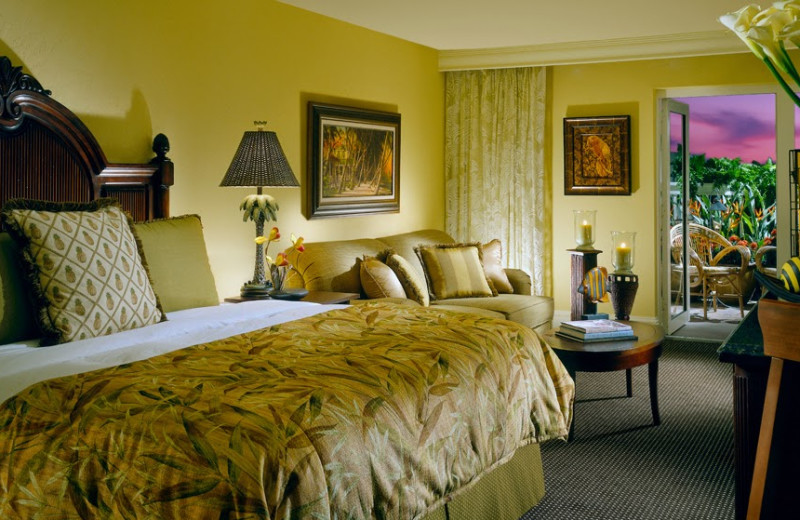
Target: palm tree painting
column 353, row 161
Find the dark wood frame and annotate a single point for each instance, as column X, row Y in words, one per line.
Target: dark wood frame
column 321, row 116
column 597, row 155
column 47, row 153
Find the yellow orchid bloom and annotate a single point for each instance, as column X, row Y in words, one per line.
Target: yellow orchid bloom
column 297, row 242
column 274, row 234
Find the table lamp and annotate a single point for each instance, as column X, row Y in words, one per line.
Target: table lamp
column 259, row 162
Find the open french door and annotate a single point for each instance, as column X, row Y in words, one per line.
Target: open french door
column 673, row 213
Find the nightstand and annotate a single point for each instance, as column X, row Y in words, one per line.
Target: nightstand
column 312, row 296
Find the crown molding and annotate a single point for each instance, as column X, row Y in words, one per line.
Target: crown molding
column 570, row 53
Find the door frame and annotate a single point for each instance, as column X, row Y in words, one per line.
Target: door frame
column 784, row 140
column 666, row 107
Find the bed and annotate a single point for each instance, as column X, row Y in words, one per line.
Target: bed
column 263, row 409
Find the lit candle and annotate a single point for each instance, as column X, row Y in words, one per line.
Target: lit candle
column 586, row 233
column 622, row 257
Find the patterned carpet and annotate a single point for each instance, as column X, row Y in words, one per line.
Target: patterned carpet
column 619, row 466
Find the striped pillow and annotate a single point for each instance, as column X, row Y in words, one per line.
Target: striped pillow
column 454, row 271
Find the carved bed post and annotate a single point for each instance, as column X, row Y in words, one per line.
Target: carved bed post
column 164, row 178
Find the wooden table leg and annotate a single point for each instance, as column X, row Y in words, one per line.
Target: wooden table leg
column 629, row 382
column 765, row 439
column 652, row 373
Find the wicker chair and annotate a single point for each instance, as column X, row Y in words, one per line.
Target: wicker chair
column 695, row 267
column 717, row 263
column 765, row 260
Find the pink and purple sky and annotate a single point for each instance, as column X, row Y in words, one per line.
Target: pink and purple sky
column 733, row 126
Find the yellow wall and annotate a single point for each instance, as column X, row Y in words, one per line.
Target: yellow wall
column 620, row 89
column 201, row 72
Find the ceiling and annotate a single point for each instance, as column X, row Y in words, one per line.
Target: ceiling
column 453, row 25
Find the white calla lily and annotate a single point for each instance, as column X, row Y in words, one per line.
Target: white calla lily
column 765, row 33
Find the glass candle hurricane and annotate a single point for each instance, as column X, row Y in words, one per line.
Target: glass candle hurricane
column 584, row 228
column 622, row 253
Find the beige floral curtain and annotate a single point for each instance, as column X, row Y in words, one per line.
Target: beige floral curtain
column 496, row 185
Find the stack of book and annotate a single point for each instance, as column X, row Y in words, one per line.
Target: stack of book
column 596, row 330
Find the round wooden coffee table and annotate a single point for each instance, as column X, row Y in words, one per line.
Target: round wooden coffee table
column 609, row 356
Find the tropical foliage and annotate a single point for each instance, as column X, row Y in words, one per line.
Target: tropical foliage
column 747, row 190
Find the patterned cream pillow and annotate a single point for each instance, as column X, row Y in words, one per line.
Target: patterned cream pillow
column 454, row 271
column 85, row 266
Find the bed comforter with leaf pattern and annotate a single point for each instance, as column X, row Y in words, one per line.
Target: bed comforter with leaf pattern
column 372, row 411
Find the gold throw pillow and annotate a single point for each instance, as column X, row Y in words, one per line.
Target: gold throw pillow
column 454, row 271
column 85, row 266
column 379, row 281
column 412, row 282
column 492, row 253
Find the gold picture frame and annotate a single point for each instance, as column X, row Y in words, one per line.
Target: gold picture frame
column 353, row 161
column 597, row 155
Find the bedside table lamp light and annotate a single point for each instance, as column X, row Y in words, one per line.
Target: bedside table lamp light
column 259, row 162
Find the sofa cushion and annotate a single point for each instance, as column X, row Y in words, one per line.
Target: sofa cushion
column 454, row 271
column 413, row 283
column 178, row 262
column 448, row 306
column 379, row 280
column 492, row 256
column 331, row 266
column 531, row 311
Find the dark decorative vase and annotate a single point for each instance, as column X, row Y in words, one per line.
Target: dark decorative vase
column 288, row 294
column 622, row 288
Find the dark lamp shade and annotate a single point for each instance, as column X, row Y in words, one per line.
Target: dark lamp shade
column 259, row 161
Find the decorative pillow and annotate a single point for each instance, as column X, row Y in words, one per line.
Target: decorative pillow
column 85, row 267
column 16, row 312
column 379, row 281
column 492, row 253
column 413, row 284
column 454, row 271
column 178, row 262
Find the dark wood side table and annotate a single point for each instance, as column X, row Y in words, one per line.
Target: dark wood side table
column 325, row 297
column 608, row 356
column 744, row 348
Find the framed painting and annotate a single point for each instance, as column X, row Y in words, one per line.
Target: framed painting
column 353, row 161
column 597, row 155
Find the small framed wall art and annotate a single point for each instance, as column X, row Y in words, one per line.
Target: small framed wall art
column 597, row 155
column 353, row 161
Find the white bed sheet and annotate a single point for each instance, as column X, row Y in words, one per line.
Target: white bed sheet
column 23, row 364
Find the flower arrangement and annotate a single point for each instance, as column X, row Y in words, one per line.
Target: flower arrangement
column 280, row 266
column 765, row 32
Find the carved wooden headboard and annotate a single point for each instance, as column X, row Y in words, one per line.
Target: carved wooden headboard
column 47, row 153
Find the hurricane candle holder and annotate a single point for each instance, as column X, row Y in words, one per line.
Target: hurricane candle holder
column 623, row 251
column 584, row 228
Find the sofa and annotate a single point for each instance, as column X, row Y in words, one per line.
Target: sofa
column 336, row 266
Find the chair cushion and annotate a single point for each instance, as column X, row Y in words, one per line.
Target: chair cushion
column 379, row 280
column 85, row 266
column 178, row 262
column 413, row 283
column 454, row 271
column 531, row 311
column 492, row 254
